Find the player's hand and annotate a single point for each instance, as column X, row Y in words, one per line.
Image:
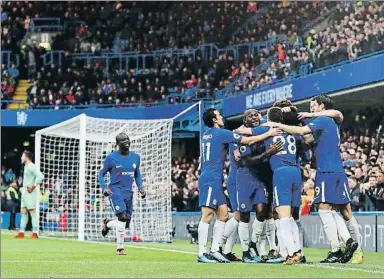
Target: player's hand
column 31, row 188
column 236, row 153
column 274, row 132
column 276, row 147
column 242, row 131
column 303, row 115
column 143, row 194
column 270, row 124
column 107, row 192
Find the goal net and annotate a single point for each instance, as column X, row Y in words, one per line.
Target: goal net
column 70, row 155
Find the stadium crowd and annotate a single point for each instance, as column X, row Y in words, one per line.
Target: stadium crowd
column 353, row 30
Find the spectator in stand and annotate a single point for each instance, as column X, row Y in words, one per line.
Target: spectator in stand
column 355, row 193
column 13, row 204
column 10, row 176
column 3, row 193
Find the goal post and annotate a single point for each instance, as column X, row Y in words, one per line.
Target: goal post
column 70, row 155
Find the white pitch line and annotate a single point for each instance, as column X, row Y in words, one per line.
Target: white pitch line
column 320, row 266
column 88, row 262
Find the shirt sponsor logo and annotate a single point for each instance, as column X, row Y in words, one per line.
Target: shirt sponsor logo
column 207, row 136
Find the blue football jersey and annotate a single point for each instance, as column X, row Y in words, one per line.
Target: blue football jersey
column 123, row 170
column 264, row 119
column 326, row 146
column 214, row 150
column 232, row 161
column 289, row 155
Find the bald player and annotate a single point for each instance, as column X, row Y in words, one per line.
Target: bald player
column 124, row 169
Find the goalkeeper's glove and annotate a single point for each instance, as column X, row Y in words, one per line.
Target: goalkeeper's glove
column 31, row 188
column 107, row 192
column 143, row 194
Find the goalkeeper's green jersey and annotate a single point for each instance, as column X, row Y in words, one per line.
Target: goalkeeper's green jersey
column 32, row 175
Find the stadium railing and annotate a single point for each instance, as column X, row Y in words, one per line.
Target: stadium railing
column 45, row 23
column 125, row 61
column 7, row 58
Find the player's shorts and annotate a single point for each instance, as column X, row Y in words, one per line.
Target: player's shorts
column 211, row 192
column 232, row 191
column 287, row 187
column 122, row 202
column 332, row 188
column 28, row 200
column 249, row 192
column 269, row 188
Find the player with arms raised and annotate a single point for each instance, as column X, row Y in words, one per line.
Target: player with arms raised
column 331, row 182
column 124, row 168
column 211, row 198
column 31, row 178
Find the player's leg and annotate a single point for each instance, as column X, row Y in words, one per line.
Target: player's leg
column 211, row 197
column 244, row 237
column 231, row 240
column 258, row 226
column 231, row 227
column 282, row 202
column 350, row 227
column 350, row 221
column 296, row 218
column 246, row 193
column 120, row 232
column 295, row 205
column 353, row 245
column 35, row 224
column 23, row 221
column 282, row 247
column 119, row 206
column 203, row 230
column 218, row 229
column 324, row 197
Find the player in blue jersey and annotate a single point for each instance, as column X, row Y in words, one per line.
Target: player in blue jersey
column 286, row 182
column 349, row 219
column 290, row 117
column 230, row 231
column 124, row 169
column 331, row 182
column 211, row 195
column 286, row 185
column 252, row 177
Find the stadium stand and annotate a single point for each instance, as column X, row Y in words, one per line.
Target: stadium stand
column 92, row 29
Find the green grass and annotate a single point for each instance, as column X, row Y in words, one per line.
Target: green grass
column 45, row 258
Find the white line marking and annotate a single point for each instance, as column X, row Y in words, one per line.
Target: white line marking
column 90, row 262
column 320, row 266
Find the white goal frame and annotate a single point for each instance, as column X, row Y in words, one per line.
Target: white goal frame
column 82, row 146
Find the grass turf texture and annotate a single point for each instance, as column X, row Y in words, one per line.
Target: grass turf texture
column 45, row 258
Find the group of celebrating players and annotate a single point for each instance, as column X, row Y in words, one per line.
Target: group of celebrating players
column 265, row 177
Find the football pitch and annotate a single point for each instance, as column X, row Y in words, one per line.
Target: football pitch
column 60, row 258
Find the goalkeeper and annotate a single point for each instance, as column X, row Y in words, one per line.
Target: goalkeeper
column 124, row 168
column 31, row 178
